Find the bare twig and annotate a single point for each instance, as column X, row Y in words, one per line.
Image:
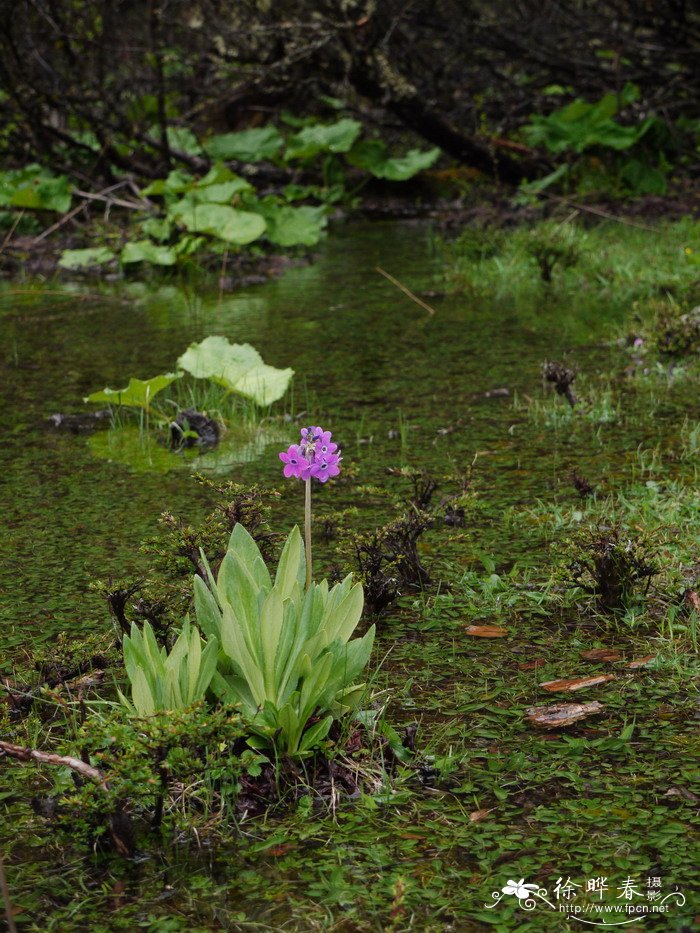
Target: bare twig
column 11, row 231
column 47, row 758
column 132, row 205
column 598, row 211
column 119, row 823
column 59, row 223
column 406, row 291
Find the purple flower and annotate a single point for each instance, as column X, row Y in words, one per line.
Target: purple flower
column 316, row 456
column 294, row 461
column 325, row 466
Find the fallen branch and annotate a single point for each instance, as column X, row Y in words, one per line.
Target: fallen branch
column 598, row 211
column 406, row 291
column 47, row 758
column 119, row 824
column 132, row 205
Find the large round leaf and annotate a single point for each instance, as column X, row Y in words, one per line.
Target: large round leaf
column 238, row 366
column 219, row 220
column 246, row 146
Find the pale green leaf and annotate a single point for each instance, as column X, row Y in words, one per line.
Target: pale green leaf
column 315, row 734
column 85, row 258
column 323, row 137
column 146, row 251
column 253, row 145
column 219, row 220
column 239, row 367
column 139, row 393
column 292, row 564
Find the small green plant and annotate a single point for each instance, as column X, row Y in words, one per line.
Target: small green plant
column 286, row 655
column 612, row 564
column 676, row 331
column 167, row 681
column 553, row 245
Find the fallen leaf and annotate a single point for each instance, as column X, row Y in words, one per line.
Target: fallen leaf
column 693, row 600
column 486, row 631
column 675, row 792
column 576, row 683
column 562, row 714
column 476, row 816
column 601, row 654
column 641, row 662
column 277, row 851
column 532, row 665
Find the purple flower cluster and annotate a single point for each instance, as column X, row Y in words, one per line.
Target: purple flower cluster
column 314, row 457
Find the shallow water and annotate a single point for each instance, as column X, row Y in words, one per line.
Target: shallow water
column 367, row 358
column 361, row 349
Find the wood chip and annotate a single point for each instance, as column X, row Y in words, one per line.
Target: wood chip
column 532, row 665
column 476, row 816
column 486, row 631
column 641, row 662
column 576, row 683
column 601, row 654
column 562, row 714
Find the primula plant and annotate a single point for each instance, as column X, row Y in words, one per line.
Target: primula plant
column 286, row 658
column 280, row 650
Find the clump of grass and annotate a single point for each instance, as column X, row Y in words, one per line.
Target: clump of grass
column 612, row 564
column 554, row 246
column 618, row 263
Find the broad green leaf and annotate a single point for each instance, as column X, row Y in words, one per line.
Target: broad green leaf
column 315, row 734
column 239, row 367
column 323, row 137
column 141, row 694
column 157, row 228
column 207, row 667
column 372, row 156
column 271, row 619
column 233, row 643
column 139, row 393
column 181, row 137
column 219, row 220
column 348, row 614
column 85, row 258
column 236, row 587
column 146, row 251
column 176, row 182
column 243, row 545
column 194, row 662
column 36, row 189
column 206, row 609
column 293, row 226
column 246, row 146
column 291, row 568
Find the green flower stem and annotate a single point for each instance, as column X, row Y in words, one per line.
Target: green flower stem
column 307, row 531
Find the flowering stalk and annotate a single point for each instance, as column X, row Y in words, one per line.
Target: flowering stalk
column 307, row 531
column 314, row 457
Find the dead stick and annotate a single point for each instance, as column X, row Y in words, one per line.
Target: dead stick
column 9, row 916
column 598, row 211
column 46, row 758
column 59, row 223
column 11, row 231
column 132, row 205
column 116, row 829
column 406, row 291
